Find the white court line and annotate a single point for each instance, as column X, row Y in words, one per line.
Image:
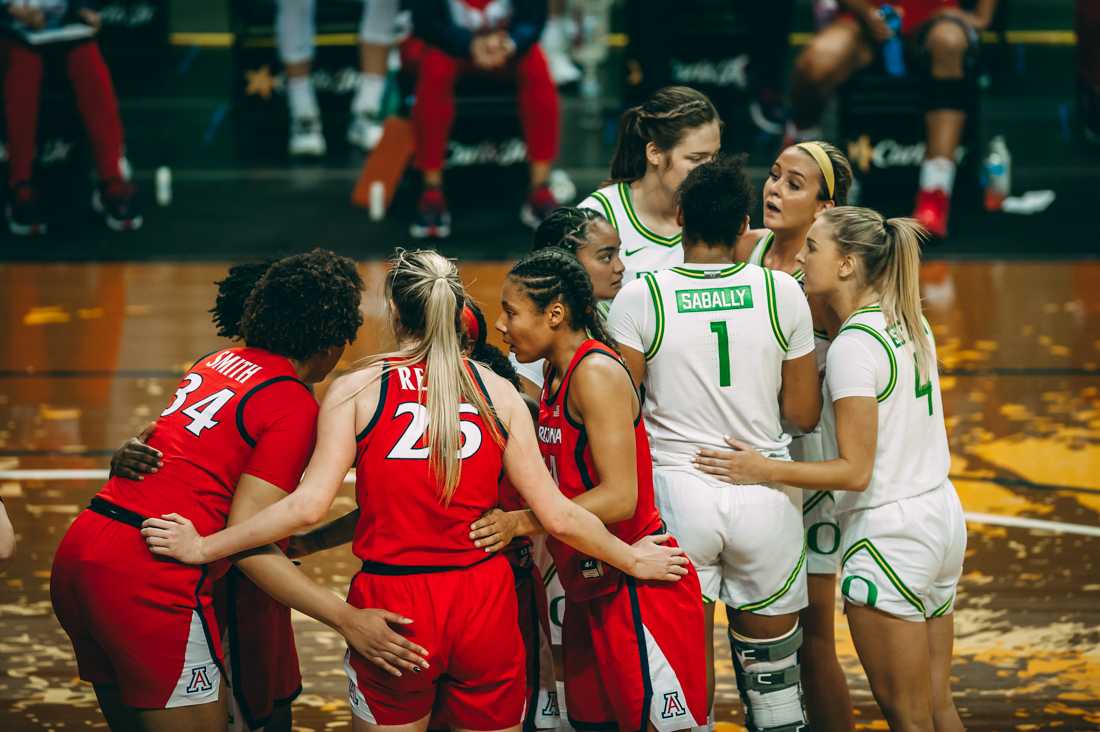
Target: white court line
column 981, row 518
column 1027, row 523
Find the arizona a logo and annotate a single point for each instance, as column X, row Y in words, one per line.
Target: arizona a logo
column 674, row 707
column 200, row 681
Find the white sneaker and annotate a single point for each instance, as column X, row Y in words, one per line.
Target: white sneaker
column 364, row 131
column 306, row 137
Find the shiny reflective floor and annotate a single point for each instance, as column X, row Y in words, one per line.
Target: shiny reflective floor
column 88, row 354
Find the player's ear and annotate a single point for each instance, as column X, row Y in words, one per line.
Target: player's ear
column 653, row 154
column 680, row 216
column 555, row 314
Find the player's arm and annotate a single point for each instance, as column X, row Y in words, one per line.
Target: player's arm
column 7, row 534
column 603, row 395
column 800, row 395
column 854, row 374
column 174, row 536
column 631, row 323
column 366, row 629
column 562, row 518
column 326, row 536
column 856, row 425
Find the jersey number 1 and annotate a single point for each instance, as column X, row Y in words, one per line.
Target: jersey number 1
column 203, row 411
column 718, row 327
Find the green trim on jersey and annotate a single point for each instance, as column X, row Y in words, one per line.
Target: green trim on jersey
column 942, row 609
column 760, row 250
column 608, row 212
column 815, row 499
column 823, row 335
column 773, row 310
column 550, row 573
column 628, row 204
column 753, row 607
column 659, row 314
column 703, row 274
column 889, row 354
column 865, row 544
column 861, row 311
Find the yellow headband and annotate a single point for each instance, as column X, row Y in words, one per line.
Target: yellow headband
column 822, row 158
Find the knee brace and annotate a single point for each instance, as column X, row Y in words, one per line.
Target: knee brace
column 768, row 678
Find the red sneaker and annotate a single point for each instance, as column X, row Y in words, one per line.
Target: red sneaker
column 932, row 210
column 433, row 220
column 540, row 202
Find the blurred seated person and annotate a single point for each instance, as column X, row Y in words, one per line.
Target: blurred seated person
column 295, row 28
column 944, row 39
column 498, row 37
column 30, row 24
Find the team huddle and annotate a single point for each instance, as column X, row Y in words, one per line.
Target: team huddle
column 691, row 411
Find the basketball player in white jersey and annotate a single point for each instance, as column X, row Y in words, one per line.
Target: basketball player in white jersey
column 902, row 527
column 805, row 180
column 660, row 142
column 727, row 349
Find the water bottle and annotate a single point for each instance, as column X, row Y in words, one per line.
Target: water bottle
column 893, row 54
column 997, row 174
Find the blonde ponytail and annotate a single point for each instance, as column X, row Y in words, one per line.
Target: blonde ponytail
column 900, row 287
column 424, row 288
column 889, row 251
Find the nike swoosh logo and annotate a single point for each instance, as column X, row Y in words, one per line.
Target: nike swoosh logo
column 632, row 252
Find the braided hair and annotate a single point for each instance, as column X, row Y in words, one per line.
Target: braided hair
column 664, row 119
column 566, row 228
column 552, row 275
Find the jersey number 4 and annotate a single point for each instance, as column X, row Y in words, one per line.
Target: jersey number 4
column 203, row 411
column 409, row 445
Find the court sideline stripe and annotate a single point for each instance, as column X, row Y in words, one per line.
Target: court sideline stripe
column 981, row 518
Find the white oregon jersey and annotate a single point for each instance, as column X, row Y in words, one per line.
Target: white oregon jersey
column 867, row 358
column 715, row 338
column 641, row 250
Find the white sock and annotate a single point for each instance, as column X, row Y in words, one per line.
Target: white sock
column 301, row 98
column 368, row 95
column 937, row 174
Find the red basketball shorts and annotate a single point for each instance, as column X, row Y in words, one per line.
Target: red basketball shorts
column 260, row 655
column 636, row 657
column 466, row 619
column 141, row 623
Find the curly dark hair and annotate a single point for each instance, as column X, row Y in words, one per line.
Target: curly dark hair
column 566, row 228
column 304, row 304
column 233, row 291
column 715, row 198
column 552, row 274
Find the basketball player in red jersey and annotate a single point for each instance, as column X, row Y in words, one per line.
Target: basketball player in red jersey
column 234, row 437
column 633, row 650
column 428, row 433
column 260, row 656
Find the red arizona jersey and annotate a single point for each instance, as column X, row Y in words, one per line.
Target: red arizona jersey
column 564, row 446
column 241, row 410
column 402, row 518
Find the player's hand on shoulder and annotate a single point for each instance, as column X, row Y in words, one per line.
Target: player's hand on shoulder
column 493, row 531
column 174, row 536
column 654, row 561
column 369, row 631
